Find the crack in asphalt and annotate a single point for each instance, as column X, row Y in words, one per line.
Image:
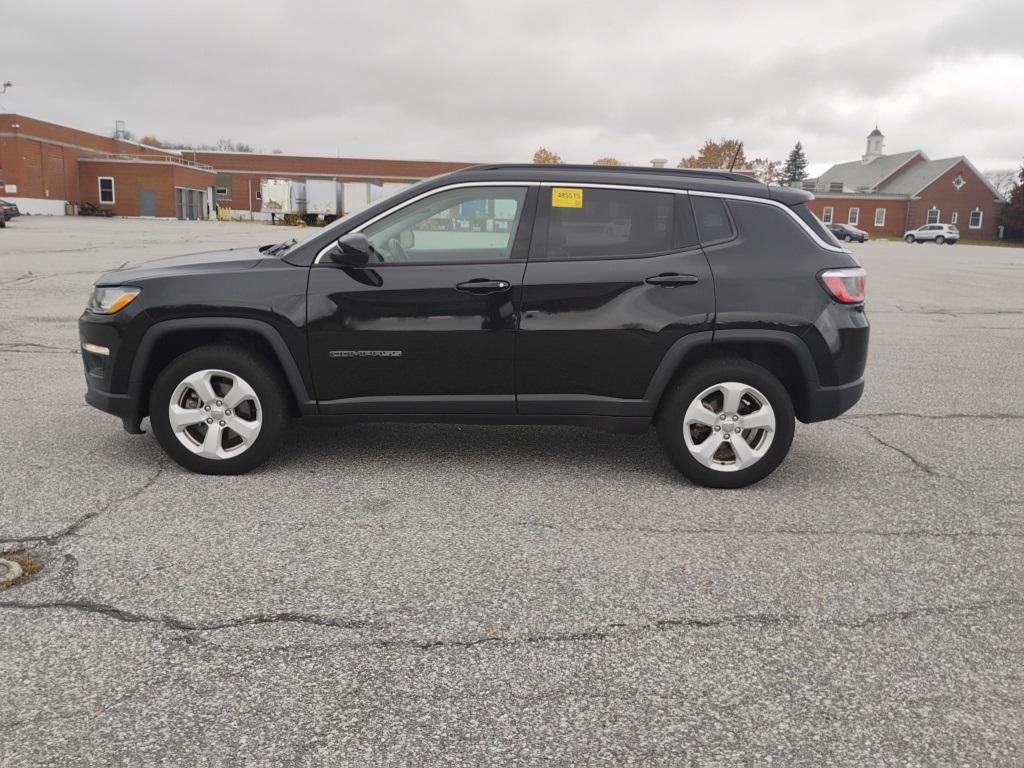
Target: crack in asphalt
column 35, row 349
column 931, row 416
column 910, row 533
column 608, row 632
column 928, row 469
column 84, row 520
column 170, row 622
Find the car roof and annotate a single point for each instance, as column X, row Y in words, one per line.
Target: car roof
column 723, row 182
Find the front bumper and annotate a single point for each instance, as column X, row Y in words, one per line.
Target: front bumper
column 106, row 375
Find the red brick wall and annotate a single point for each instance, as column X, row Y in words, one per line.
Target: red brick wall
column 943, row 195
column 895, row 213
column 132, row 178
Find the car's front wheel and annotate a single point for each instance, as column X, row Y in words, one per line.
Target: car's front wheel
column 727, row 423
column 940, row 239
column 218, row 410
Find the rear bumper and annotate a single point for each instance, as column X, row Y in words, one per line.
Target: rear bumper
column 828, row 402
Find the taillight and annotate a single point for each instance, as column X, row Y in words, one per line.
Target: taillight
column 845, row 285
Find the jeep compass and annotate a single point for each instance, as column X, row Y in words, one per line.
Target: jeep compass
column 716, row 308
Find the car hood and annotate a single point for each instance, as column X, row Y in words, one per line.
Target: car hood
column 234, row 259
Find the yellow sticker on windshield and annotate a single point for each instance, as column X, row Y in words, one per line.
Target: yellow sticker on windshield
column 562, row 197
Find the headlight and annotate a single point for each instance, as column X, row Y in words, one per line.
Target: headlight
column 107, row 299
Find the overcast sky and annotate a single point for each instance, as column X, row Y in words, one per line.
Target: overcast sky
column 479, row 80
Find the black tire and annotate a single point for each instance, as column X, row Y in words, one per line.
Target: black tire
column 910, row 239
column 940, row 240
column 848, row 238
column 264, row 379
column 691, row 384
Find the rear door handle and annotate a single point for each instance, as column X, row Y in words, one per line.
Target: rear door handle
column 484, row 286
column 671, row 278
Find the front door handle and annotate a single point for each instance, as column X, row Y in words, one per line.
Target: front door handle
column 484, row 286
column 671, row 278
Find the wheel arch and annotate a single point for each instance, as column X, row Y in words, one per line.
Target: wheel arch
column 781, row 353
column 167, row 339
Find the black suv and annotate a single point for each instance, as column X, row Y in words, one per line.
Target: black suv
column 718, row 308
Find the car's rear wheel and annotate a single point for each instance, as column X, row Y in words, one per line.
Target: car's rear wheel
column 218, row 410
column 910, row 239
column 727, row 423
column 940, row 239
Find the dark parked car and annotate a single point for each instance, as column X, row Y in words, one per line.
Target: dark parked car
column 716, row 308
column 847, row 232
column 8, row 210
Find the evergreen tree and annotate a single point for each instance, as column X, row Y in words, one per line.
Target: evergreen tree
column 796, row 165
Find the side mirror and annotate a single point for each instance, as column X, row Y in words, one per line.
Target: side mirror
column 351, row 250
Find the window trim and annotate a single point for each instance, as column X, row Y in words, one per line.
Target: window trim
column 851, row 219
column 953, row 217
column 970, row 219
column 880, row 211
column 938, row 215
column 828, row 213
column 113, row 190
column 821, row 243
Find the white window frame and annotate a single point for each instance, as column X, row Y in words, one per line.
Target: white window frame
column 970, row 219
column 877, row 212
column 113, row 193
column 959, row 182
column 827, row 214
column 953, row 217
column 853, row 216
column 928, row 216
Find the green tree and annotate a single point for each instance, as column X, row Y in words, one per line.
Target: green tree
column 796, row 165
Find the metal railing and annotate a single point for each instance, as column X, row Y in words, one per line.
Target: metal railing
column 146, row 158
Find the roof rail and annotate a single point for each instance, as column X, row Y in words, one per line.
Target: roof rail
column 707, row 173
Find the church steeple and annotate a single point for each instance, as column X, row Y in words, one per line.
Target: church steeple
column 875, row 147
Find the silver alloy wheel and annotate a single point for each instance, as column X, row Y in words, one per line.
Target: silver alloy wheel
column 729, row 426
column 215, row 414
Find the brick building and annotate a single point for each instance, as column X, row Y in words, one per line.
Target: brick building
column 44, row 166
column 886, row 195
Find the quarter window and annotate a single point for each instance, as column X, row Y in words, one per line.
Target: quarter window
column 106, row 190
column 588, row 222
column 975, row 220
column 469, row 224
column 853, row 217
column 713, row 222
column 826, row 215
column 879, row 217
column 933, row 216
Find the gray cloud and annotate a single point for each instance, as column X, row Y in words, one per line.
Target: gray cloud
column 483, row 81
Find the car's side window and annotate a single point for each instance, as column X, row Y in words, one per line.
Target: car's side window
column 713, row 222
column 591, row 222
column 461, row 225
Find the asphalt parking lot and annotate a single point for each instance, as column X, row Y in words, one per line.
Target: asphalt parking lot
column 443, row 595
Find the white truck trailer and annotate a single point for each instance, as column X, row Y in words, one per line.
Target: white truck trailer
column 323, row 200
column 281, row 197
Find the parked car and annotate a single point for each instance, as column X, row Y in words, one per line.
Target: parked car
column 939, row 233
column 8, row 210
column 848, row 232
column 714, row 307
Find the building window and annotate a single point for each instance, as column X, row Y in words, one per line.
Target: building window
column 953, row 217
column 933, row 216
column 975, row 221
column 106, row 190
column 224, row 185
column 959, row 182
column 854, row 216
column 826, row 215
column 879, row 217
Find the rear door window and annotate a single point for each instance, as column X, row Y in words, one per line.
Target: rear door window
column 713, row 222
column 591, row 222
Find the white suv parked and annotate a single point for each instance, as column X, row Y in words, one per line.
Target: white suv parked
column 940, row 233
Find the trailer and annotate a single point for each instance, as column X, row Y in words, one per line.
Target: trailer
column 283, row 197
column 324, row 198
